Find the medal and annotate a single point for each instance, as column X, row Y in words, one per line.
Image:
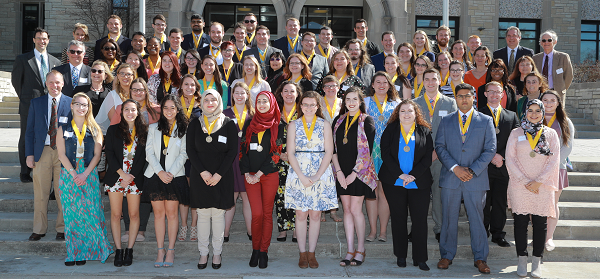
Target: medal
column 534, row 141
column 348, row 124
column 240, row 134
column 497, row 130
column 406, row 148
column 381, row 108
column 209, row 128
column 406, row 136
column 80, row 150
column 209, row 139
column 496, row 117
column 259, row 148
column 260, row 135
column 464, row 127
column 129, row 156
column 166, row 139
column 80, row 135
column 165, row 152
column 345, row 141
column 381, row 118
column 310, row 145
column 309, row 132
column 532, row 154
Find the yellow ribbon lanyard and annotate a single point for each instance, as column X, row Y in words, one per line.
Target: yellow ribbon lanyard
column 349, row 123
column 408, row 70
column 241, row 120
column 410, row 132
column 218, row 52
column 552, row 120
column 323, row 52
column 310, row 57
column 470, row 56
column 432, row 109
column 262, row 56
column 453, row 88
column 365, row 42
column 463, row 129
column 178, row 52
column 292, row 45
column 113, row 65
column 446, row 78
column 237, row 53
column 163, row 37
column 193, row 74
column 298, row 79
column 249, row 39
column 115, row 39
column 211, row 126
column 196, row 41
column 495, row 117
column 307, row 131
column 167, row 86
column 190, row 107
column 342, row 78
column 380, row 107
column 422, row 51
column 77, row 133
column 152, row 67
column 418, row 91
column 227, row 71
column 130, row 146
column 533, row 142
column 251, row 83
column 288, row 116
column 260, row 136
column 394, row 78
column 210, row 84
column 356, row 68
column 331, row 111
column 167, row 138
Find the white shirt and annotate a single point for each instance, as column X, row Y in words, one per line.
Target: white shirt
column 508, row 49
column 50, row 114
column 460, row 115
column 38, row 57
column 219, row 57
column 550, row 57
column 78, row 70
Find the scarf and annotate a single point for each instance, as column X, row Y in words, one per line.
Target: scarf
column 263, row 121
column 217, row 114
column 542, row 146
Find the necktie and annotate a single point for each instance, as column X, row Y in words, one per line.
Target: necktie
column 75, row 76
column 464, row 118
column 545, row 68
column 494, row 113
column 511, row 60
column 44, row 69
column 53, row 125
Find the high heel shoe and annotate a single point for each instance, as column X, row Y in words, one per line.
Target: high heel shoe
column 182, row 235
column 169, row 264
column 254, row 258
column 356, row 262
column 128, row 257
column 160, row 264
column 226, row 239
column 214, row 265
column 118, row 258
column 203, row 266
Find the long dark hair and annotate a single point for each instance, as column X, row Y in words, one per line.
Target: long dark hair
column 197, row 95
column 114, row 43
column 180, row 118
column 278, row 96
column 361, row 97
column 311, row 95
column 141, row 127
column 418, row 114
column 216, row 74
column 561, row 117
column 392, row 93
column 141, row 70
column 497, row 63
column 401, row 76
column 184, row 67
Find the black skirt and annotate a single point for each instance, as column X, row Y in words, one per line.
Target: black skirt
column 178, row 190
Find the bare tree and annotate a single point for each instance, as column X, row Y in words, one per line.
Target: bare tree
column 94, row 14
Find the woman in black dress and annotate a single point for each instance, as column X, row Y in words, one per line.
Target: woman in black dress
column 353, row 137
column 212, row 142
column 341, row 67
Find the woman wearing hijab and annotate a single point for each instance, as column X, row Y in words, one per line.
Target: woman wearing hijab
column 260, row 152
column 532, row 161
column 211, row 147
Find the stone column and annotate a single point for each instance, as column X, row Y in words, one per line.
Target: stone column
column 563, row 17
column 480, row 17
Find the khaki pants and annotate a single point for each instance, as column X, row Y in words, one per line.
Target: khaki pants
column 218, row 229
column 46, row 170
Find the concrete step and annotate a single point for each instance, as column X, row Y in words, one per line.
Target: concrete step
column 579, row 210
column 10, row 170
column 10, row 124
column 10, row 99
column 587, row 134
column 580, row 194
column 24, row 203
column 9, row 157
column 9, row 104
column 575, row 114
column 9, row 110
column 585, row 164
column 9, row 117
column 584, row 178
column 15, row 186
column 586, row 127
column 578, row 121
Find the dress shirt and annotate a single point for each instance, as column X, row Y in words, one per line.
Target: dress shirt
column 508, row 50
column 78, row 70
column 50, row 115
column 219, row 57
column 38, row 57
column 549, row 56
column 460, row 115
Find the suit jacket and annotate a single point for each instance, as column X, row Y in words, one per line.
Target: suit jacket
column 26, row 77
column 366, row 74
column 114, row 157
column 511, row 98
column 283, row 45
column 372, row 48
column 503, row 54
column 264, row 66
column 188, row 42
column 318, row 68
column 476, row 152
column 176, row 154
column 560, row 60
column 37, row 123
column 390, row 169
column 445, row 105
column 124, row 45
column 378, row 61
column 508, row 121
column 84, row 78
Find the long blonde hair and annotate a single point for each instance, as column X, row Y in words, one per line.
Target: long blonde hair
column 89, row 117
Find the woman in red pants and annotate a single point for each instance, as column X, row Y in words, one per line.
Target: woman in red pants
column 260, row 151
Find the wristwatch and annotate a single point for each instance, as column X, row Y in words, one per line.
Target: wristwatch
column 471, row 171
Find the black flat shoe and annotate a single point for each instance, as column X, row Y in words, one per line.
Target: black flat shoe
column 80, row 262
column 249, row 236
column 437, row 236
column 401, row 262
column 119, row 258
column 254, row 258
column 128, row 257
column 226, row 239
column 421, row 265
column 214, row 265
column 263, row 260
column 69, row 263
column 204, row 265
column 282, row 239
column 26, row 178
column 295, row 240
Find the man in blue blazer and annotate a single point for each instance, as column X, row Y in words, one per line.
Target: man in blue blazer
column 512, row 51
column 389, row 42
column 465, row 144
column 40, row 149
column 291, row 42
column 75, row 68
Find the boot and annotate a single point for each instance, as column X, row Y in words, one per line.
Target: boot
column 303, row 262
column 522, row 267
column 254, row 258
column 536, row 267
column 128, row 257
column 119, row 257
column 263, row 260
column 312, row 261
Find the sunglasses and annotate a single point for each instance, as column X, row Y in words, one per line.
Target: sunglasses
column 249, row 21
column 275, row 59
column 97, row 71
column 109, row 48
column 544, row 40
column 75, row 51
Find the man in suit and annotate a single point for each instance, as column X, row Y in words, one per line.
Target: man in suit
column 512, row 51
column 388, row 41
column 290, row 43
column 317, row 63
column 175, row 40
column 197, row 39
column 555, row 66
column 29, row 80
column 465, row 144
column 325, row 48
column 159, row 24
column 361, row 28
column 494, row 212
column 46, row 113
column 433, row 111
column 442, row 40
column 262, row 52
column 114, row 25
column 217, row 31
column 75, row 72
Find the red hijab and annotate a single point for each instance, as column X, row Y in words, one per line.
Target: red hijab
column 263, row 121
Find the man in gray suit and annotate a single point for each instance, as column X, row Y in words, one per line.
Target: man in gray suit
column 361, row 62
column 29, row 79
column 262, row 52
column 444, row 106
column 465, row 144
column 74, row 73
column 317, row 63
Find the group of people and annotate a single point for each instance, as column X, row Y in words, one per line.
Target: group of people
column 173, row 123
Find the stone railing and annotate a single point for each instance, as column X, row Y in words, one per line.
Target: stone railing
column 585, row 98
column 6, row 88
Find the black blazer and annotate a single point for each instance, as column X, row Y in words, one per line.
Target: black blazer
column 372, row 48
column 114, row 158
column 188, row 42
column 264, row 67
column 65, row 70
column 390, row 169
column 508, row 121
column 511, row 98
column 26, row 77
column 503, row 54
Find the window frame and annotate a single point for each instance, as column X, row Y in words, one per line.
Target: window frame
column 454, row 30
column 236, row 13
column 337, row 40
column 596, row 40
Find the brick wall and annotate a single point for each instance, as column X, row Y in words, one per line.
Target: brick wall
column 585, row 98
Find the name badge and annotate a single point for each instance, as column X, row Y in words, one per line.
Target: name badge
column 83, row 80
column 397, row 88
column 559, row 71
column 345, row 87
column 63, row 119
column 68, row 134
column 443, row 112
column 522, row 138
column 413, row 137
column 253, row 146
column 223, row 139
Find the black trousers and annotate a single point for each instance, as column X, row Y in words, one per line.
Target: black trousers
column 23, row 112
column 494, row 212
column 400, row 201
column 539, row 233
column 145, row 208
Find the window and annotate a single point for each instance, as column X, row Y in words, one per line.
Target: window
column 121, row 8
column 430, row 24
column 590, row 41
column 530, row 32
column 229, row 14
column 33, row 17
column 312, row 18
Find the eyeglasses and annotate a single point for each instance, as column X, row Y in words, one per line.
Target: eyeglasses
column 77, row 104
column 138, row 90
column 78, row 52
column 295, row 63
column 275, row 59
column 109, row 48
column 309, row 106
column 190, row 58
column 97, row 71
column 126, row 75
column 494, row 92
column 497, row 70
column 330, row 86
column 228, row 51
column 549, row 40
column 249, row 21
column 456, row 70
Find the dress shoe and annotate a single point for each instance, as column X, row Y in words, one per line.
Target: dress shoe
column 60, row 236
column 437, row 236
column 216, row 265
column 295, row 240
column 36, row 237
column 69, row 263
column 254, row 258
column 444, row 263
column 203, row 265
column 128, row 257
column 26, row 178
column 482, row 266
column 501, row 242
column 263, row 260
column 226, row 239
column 80, row 262
column 550, row 245
column 401, row 262
column 312, row 260
column 303, row 261
column 421, row 265
column 118, row 257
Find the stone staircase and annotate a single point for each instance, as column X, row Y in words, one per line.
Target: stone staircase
column 9, row 112
column 585, row 126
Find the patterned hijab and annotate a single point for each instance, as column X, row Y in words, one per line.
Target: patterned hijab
column 542, row 146
column 263, row 121
column 218, row 113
